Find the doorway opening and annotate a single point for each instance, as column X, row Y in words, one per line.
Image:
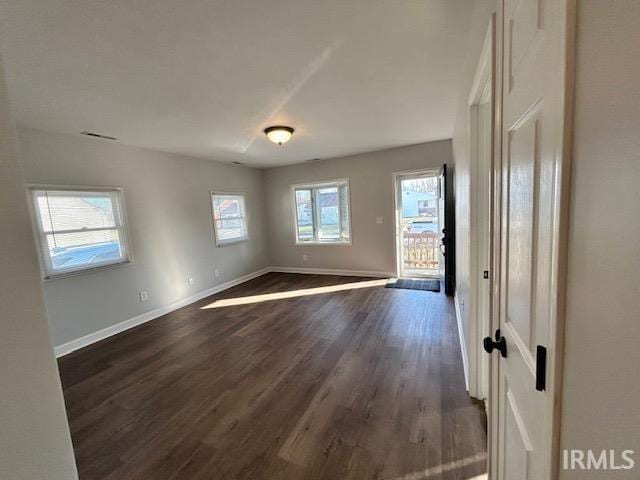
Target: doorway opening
column 418, row 224
column 481, row 232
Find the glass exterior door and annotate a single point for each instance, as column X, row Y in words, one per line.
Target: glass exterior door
column 418, row 225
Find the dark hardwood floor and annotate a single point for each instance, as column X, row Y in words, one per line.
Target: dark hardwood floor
column 355, row 383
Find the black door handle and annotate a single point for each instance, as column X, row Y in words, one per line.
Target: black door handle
column 443, row 242
column 499, row 344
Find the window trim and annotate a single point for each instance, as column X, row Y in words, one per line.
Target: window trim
column 44, row 260
column 245, row 217
column 315, row 185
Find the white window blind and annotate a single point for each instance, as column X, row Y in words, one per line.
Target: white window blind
column 79, row 229
column 322, row 213
column 229, row 218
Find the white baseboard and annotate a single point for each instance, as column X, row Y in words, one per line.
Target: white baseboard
column 81, row 342
column 86, row 340
column 463, row 343
column 332, row 271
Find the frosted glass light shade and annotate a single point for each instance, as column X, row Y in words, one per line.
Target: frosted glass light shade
column 279, row 135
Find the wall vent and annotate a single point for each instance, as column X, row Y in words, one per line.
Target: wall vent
column 97, row 135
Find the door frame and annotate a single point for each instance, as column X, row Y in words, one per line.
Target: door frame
column 493, row 394
column 482, row 227
column 395, row 176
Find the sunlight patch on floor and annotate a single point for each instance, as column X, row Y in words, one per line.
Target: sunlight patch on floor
column 440, row 469
column 230, row 302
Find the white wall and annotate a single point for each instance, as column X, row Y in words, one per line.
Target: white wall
column 601, row 402
column 371, row 191
column 170, row 223
column 34, row 435
column 461, row 154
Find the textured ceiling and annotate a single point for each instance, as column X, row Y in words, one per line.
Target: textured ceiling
column 204, row 78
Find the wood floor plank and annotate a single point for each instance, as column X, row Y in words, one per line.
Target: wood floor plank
column 283, row 377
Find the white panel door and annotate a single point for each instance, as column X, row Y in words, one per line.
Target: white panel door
column 533, row 87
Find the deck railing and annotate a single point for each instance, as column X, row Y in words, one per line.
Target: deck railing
column 421, row 250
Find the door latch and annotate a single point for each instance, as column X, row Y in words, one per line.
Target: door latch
column 499, row 344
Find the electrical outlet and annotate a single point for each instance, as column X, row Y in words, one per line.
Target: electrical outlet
column 379, row 220
column 143, row 295
column 305, row 257
column 216, row 273
column 190, row 280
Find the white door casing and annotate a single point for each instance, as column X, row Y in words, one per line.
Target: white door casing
column 483, row 264
column 481, row 115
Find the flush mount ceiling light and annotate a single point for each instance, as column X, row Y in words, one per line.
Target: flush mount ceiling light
column 279, row 134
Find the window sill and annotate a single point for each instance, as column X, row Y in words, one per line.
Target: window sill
column 336, row 244
column 231, row 242
column 73, row 273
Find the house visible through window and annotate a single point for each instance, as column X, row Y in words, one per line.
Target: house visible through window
column 79, row 229
column 322, row 212
column 230, row 219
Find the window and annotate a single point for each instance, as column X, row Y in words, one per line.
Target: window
column 322, row 213
column 79, row 229
column 229, row 218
